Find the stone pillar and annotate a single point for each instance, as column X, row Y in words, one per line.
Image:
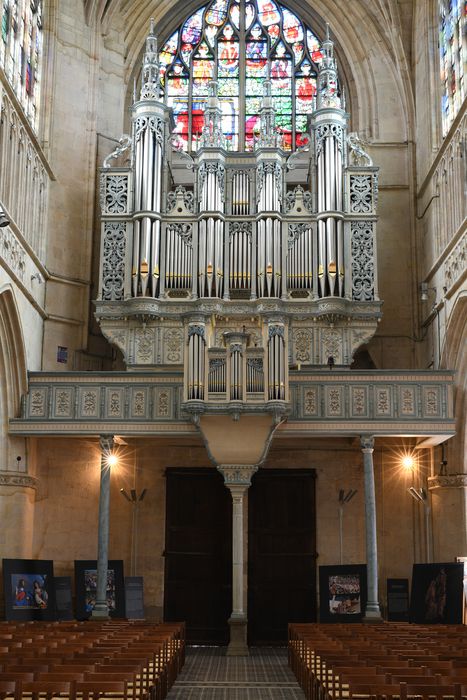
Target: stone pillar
column 101, row 610
column 449, row 534
column 372, row 611
column 237, row 479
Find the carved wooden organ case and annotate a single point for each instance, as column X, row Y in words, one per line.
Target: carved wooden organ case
column 237, row 266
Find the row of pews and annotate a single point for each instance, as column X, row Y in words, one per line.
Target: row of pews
column 85, row 660
column 392, row 660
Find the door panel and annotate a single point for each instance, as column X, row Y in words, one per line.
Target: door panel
column 281, row 553
column 198, row 555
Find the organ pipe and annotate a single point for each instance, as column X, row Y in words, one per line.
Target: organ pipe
column 150, row 117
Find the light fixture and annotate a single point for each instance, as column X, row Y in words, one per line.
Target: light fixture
column 421, row 495
column 408, row 462
column 346, row 497
column 418, row 494
column 4, row 220
column 112, row 460
column 133, row 497
column 424, row 290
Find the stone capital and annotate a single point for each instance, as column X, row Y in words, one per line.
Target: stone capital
column 106, row 443
column 450, row 481
column 15, row 479
column 237, row 475
column 367, row 443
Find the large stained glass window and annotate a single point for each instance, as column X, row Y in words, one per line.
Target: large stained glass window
column 453, row 57
column 21, row 51
column 240, row 43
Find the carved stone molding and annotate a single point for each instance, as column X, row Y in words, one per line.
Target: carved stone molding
column 451, row 481
column 237, row 474
column 15, row 479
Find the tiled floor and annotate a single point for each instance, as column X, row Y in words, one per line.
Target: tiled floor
column 210, row 675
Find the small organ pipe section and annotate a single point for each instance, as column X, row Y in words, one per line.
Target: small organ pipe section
column 211, row 178
column 269, row 229
column 240, row 193
column 240, row 255
column 329, row 123
column 178, row 257
column 300, row 257
column 276, row 362
column 330, row 139
column 196, row 361
column 150, row 119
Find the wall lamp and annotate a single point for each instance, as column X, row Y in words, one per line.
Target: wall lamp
column 4, row 220
column 133, row 497
column 424, row 290
column 421, row 495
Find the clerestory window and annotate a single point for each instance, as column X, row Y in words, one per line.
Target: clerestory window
column 453, row 58
column 21, row 51
column 240, row 43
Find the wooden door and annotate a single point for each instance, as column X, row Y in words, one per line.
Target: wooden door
column 281, row 553
column 198, row 555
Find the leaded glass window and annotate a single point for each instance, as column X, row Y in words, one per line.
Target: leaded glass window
column 453, row 57
column 240, row 43
column 21, row 51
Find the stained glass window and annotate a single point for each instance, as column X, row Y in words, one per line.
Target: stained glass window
column 240, row 43
column 453, row 57
column 21, row 51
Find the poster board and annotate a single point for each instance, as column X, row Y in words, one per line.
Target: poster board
column 86, row 588
column 134, row 598
column 437, row 594
column 398, row 599
column 463, row 560
column 63, row 598
column 343, row 593
column 28, row 586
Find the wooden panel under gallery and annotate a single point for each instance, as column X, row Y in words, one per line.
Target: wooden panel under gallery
column 281, row 552
column 198, row 554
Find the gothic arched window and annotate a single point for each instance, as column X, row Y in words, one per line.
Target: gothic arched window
column 453, row 57
column 240, row 43
column 21, row 51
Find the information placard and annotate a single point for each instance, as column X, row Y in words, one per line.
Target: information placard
column 134, row 601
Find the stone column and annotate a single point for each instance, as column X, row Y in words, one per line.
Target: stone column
column 101, row 610
column 372, row 611
column 237, row 479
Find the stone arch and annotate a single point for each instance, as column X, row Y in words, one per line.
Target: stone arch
column 454, row 356
column 13, row 372
column 365, row 48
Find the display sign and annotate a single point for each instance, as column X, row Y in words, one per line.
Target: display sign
column 134, row 601
column 398, row 599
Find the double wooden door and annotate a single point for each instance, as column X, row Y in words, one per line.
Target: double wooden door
column 198, row 554
column 281, row 553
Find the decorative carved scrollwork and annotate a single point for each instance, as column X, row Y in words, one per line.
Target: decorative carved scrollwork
column 180, row 194
column 325, row 131
column 114, row 194
column 296, row 196
column 113, row 266
column 363, row 263
column 212, row 167
column 361, row 195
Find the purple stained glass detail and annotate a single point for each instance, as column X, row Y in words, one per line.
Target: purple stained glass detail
column 191, row 32
column 217, row 13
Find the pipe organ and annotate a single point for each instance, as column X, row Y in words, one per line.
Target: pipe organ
column 248, row 265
